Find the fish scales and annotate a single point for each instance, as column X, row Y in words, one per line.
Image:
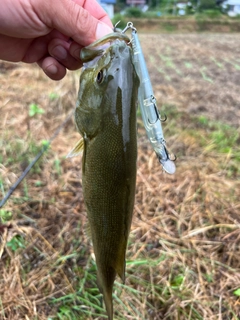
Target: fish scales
column 106, row 118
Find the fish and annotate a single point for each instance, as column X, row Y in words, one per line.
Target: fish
column 105, row 116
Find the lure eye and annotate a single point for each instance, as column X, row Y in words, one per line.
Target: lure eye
column 100, row 77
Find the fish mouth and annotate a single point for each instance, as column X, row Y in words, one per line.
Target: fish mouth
column 92, row 53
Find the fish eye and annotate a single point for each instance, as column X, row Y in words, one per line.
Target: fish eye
column 100, row 77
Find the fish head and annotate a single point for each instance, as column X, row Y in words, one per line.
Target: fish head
column 107, row 68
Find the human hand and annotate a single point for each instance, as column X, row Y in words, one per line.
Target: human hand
column 50, row 33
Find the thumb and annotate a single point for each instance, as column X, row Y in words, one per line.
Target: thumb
column 71, row 19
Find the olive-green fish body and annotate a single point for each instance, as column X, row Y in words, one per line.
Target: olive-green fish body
column 106, row 118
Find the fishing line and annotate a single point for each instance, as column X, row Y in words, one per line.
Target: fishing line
column 38, row 156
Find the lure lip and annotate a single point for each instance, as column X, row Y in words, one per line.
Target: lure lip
column 168, row 165
column 165, row 160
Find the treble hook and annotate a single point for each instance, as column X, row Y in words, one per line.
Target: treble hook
column 163, row 119
column 115, row 29
column 174, row 157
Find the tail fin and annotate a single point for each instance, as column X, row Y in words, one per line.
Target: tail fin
column 107, row 296
column 120, row 267
column 105, row 284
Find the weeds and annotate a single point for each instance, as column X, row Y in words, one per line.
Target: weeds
column 34, row 110
column 237, row 292
column 5, row 215
column 53, row 96
column 205, row 77
column 19, row 153
column 17, row 242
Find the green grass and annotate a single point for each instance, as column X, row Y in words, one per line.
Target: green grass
column 18, row 152
column 237, row 292
column 34, row 110
column 86, row 301
column 219, row 64
column 17, row 242
column 204, row 75
column 188, row 65
column 5, row 215
column 221, row 137
column 53, row 96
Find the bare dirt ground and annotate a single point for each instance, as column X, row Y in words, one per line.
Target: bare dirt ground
column 184, row 248
column 198, row 73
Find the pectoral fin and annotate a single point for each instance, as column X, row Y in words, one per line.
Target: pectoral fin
column 77, row 150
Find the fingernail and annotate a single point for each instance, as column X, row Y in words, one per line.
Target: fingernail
column 59, row 53
column 102, row 30
column 76, row 53
column 52, row 69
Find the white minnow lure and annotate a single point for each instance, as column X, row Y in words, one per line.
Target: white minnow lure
column 150, row 115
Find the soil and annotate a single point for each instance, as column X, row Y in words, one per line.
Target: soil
column 199, row 73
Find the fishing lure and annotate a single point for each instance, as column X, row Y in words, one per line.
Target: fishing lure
column 150, row 114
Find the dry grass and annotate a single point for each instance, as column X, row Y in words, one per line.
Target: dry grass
column 183, row 259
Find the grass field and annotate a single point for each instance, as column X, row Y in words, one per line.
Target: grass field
column 183, row 258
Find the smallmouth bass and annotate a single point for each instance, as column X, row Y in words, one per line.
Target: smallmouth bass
column 105, row 116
